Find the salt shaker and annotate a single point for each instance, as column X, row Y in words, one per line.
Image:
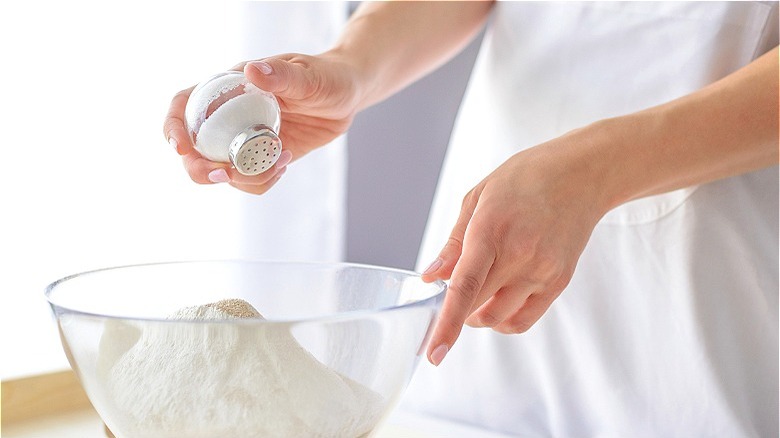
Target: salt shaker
column 231, row 120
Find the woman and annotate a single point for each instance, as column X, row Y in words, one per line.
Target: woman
column 636, row 142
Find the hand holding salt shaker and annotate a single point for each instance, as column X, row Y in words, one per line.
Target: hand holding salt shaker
column 230, row 120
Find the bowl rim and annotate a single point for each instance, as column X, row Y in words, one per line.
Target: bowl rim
column 334, row 317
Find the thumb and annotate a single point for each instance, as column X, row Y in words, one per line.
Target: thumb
column 281, row 77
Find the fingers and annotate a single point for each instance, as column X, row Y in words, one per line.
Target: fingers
column 498, row 307
column 203, row 171
column 174, row 129
column 285, row 78
column 256, row 189
column 468, row 278
column 530, row 312
column 442, row 267
column 468, row 264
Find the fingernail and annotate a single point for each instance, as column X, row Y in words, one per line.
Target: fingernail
column 174, row 144
column 284, row 159
column 438, row 354
column 264, row 67
column 218, row 176
column 277, row 177
column 472, row 321
column 280, row 172
column 433, row 267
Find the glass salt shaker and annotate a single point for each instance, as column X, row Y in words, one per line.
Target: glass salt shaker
column 230, row 120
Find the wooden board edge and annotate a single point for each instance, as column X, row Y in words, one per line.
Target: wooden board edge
column 42, row 395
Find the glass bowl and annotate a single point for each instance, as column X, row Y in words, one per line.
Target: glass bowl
column 336, row 348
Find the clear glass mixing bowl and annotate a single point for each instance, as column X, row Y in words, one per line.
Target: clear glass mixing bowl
column 335, row 351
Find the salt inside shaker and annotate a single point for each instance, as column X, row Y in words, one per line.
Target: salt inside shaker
column 230, row 120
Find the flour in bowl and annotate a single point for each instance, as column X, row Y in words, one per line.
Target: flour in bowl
column 226, row 380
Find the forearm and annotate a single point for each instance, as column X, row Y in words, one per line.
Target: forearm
column 392, row 44
column 725, row 129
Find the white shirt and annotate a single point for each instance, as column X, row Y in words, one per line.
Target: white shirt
column 669, row 327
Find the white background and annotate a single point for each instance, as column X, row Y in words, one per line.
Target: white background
column 88, row 180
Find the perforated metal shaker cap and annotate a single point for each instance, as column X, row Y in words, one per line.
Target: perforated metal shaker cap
column 255, row 150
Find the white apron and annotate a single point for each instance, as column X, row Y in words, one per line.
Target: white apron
column 669, row 327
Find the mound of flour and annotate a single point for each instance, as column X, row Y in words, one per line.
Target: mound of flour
column 226, row 380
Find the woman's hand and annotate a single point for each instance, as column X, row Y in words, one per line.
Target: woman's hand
column 384, row 47
column 523, row 228
column 318, row 97
column 517, row 241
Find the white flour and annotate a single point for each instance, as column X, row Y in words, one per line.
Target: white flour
column 226, row 380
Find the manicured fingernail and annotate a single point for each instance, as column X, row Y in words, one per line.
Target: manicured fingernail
column 438, row 354
column 218, row 176
column 264, row 67
column 433, row 267
column 472, row 321
column 279, row 173
column 174, row 144
column 277, row 177
column 284, row 159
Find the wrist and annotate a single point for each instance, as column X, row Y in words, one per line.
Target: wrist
column 601, row 162
column 625, row 154
column 358, row 70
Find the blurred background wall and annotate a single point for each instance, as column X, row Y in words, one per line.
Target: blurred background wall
column 395, row 151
